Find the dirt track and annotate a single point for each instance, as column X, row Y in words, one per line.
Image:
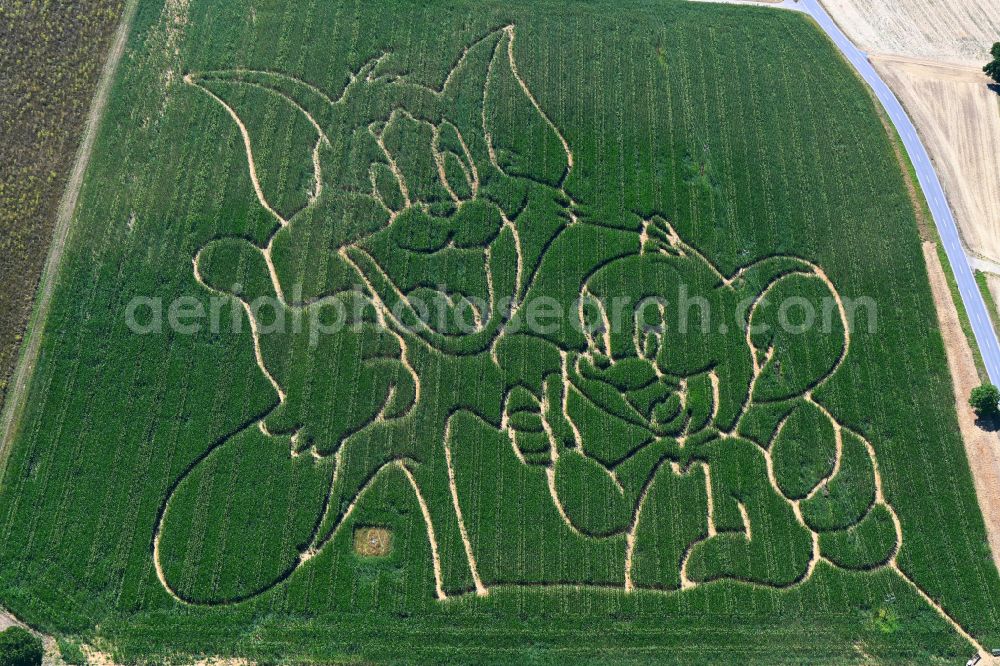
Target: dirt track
column 33, row 335
column 981, row 447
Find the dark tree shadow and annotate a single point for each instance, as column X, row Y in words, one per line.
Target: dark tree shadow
column 990, row 423
column 995, row 87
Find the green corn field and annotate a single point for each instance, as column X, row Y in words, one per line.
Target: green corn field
column 345, row 227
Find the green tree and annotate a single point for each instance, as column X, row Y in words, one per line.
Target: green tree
column 19, row 647
column 985, row 400
column 993, row 69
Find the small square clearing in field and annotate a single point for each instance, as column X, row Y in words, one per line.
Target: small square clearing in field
column 372, row 541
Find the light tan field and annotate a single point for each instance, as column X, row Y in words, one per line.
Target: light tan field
column 954, row 31
column 958, row 118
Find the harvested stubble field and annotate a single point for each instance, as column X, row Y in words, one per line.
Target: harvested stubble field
column 959, row 119
column 946, row 31
column 605, row 488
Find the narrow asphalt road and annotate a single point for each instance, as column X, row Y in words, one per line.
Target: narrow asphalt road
column 944, row 220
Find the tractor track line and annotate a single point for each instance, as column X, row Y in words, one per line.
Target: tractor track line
column 28, row 358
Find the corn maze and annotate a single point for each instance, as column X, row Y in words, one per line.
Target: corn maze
column 504, row 341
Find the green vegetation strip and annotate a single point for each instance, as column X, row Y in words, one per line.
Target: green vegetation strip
column 982, row 279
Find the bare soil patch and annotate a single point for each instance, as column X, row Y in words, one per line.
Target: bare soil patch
column 7, row 621
column 372, row 541
column 958, row 118
column 981, row 446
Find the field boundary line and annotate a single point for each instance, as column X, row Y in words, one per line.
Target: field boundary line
column 23, row 371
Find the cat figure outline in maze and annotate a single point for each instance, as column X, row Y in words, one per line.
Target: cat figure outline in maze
column 226, row 254
column 466, row 180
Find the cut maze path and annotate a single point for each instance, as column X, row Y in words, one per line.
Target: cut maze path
column 484, row 434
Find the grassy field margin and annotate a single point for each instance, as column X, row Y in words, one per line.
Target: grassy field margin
column 991, row 304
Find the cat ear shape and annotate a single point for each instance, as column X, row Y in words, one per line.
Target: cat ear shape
column 262, row 105
column 499, row 119
column 261, row 102
column 521, row 138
